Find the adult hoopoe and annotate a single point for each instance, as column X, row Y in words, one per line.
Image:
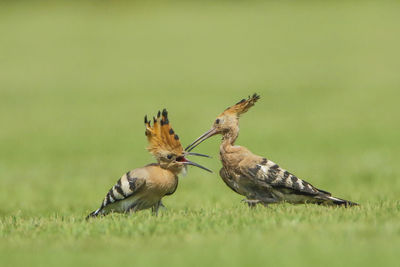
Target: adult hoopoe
column 258, row 179
column 144, row 188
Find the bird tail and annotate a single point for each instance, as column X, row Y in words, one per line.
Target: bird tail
column 94, row 214
column 330, row 200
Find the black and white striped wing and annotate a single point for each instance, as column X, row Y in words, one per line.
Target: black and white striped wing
column 270, row 174
column 127, row 186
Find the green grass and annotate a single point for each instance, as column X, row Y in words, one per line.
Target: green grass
column 76, row 80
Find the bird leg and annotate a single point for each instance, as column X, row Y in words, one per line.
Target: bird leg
column 155, row 208
column 265, row 201
column 162, row 207
column 251, row 202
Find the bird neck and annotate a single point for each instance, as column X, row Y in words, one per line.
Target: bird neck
column 229, row 138
column 174, row 169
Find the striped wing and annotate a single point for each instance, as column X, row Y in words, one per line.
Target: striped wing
column 126, row 187
column 269, row 174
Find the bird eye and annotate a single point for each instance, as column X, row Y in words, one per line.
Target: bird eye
column 169, row 156
column 217, row 121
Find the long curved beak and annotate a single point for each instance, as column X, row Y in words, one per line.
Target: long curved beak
column 188, row 162
column 199, row 140
column 197, row 154
column 185, row 161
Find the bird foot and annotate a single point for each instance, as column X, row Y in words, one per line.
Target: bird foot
column 162, row 207
column 251, row 202
column 156, row 207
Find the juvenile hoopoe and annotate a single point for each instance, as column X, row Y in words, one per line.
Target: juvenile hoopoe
column 258, row 179
column 144, row 188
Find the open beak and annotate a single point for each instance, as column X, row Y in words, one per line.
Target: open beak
column 199, row 140
column 197, row 154
column 193, row 145
column 185, row 161
column 188, row 162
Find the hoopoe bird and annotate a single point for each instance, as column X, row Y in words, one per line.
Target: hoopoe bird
column 257, row 178
column 143, row 188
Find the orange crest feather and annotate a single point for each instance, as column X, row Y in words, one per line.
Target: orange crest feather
column 242, row 106
column 161, row 137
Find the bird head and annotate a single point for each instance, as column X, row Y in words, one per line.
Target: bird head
column 228, row 121
column 165, row 146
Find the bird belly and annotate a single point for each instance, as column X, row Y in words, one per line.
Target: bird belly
column 293, row 198
column 229, row 180
column 134, row 203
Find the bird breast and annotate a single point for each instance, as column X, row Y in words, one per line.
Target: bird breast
column 160, row 182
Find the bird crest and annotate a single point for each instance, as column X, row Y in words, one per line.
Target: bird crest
column 242, row 106
column 161, row 137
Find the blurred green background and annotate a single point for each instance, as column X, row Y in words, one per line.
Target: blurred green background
column 77, row 77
